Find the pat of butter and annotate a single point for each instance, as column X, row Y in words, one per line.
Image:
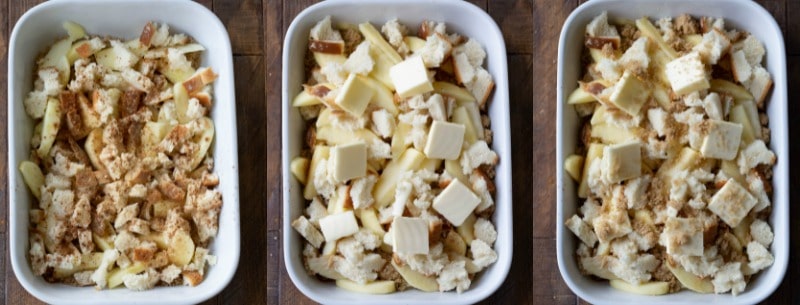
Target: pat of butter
column 444, row 140
column 456, row 202
column 355, row 95
column 722, row 141
column 732, row 203
column 623, row 161
column 630, row 94
column 684, row 236
column 349, row 161
column 410, row 235
column 338, row 225
column 410, row 77
column 687, row 74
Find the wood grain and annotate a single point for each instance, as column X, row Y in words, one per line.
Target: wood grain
column 531, row 29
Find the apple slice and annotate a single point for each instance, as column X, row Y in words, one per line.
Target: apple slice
column 416, row 279
column 320, row 153
column 299, row 168
column 449, row 89
column 467, row 229
column 50, row 126
column 595, row 151
column 204, row 140
column 181, row 248
column 691, row 281
column 574, row 166
column 383, row 192
column 377, row 287
column 579, row 96
column 649, row 288
column 376, row 39
column 33, row 177
column 117, row 276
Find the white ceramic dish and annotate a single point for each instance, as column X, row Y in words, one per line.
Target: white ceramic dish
column 34, row 33
column 742, row 15
column 462, row 18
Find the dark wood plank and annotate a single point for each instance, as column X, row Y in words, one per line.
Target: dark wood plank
column 483, row 4
column 787, row 293
column 273, row 44
column 778, row 10
column 246, row 286
column 4, row 265
column 548, row 287
column 514, row 20
column 243, row 21
column 792, row 27
column 207, row 3
column 291, row 9
column 547, row 20
column 5, row 33
column 17, row 8
column 14, row 292
column 275, row 266
column 518, row 282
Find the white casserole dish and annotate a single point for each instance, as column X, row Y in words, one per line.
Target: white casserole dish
column 35, row 31
column 741, row 15
column 460, row 17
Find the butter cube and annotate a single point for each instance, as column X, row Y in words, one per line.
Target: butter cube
column 349, row 161
column 444, row 140
column 355, row 95
column 732, row 203
column 687, row 74
column 410, row 77
column 722, row 140
column 410, row 235
column 684, row 236
column 630, row 94
column 338, row 225
column 456, row 202
column 622, row 161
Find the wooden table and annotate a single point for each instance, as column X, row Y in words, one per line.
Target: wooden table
column 531, row 29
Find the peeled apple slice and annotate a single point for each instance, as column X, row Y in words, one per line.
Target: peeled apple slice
column 691, row 281
column 181, row 248
column 377, row 287
column 50, row 126
column 650, row 288
column 33, row 177
column 416, row 279
column 204, row 139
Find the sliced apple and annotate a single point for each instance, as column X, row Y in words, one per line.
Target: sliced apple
column 467, row 229
column 204, row 140
column 579, row 96
column 117, row 276
column 320, row 153
column 299, row 168
column 322, row 265
column 377, row 287
column 691, row 281
column 50, row 126
column 416, row 279
column 376, row 39
column 180, row 248
column 595, row 151
column 461, row 116
column 610, row 134
column 574, row 166
column 449, row 89
column 33, row 177
column 738, row 92
column 383, row 192
column 649, row 288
